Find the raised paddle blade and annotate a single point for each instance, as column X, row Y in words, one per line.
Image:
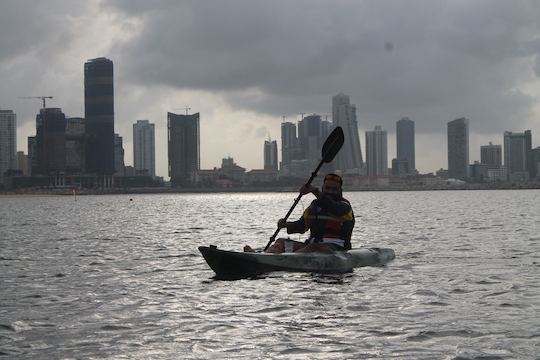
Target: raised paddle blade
column 332, row 145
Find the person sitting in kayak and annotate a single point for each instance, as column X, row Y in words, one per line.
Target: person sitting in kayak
column 329, row 218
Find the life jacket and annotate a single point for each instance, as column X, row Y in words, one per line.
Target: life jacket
column 327, row 227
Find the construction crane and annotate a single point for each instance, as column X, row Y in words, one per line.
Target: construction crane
column 37, row 97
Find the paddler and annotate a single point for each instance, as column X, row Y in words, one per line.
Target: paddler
column 329, row 218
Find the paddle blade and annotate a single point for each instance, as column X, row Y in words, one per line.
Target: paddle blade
column 332, row 145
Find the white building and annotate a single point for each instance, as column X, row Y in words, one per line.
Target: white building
column 8, row 142
column 144, row 148
column 377, row 152
column 344, row 115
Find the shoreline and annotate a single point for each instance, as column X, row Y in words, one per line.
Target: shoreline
column 194, row 190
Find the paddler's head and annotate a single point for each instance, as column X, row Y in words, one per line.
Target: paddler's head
column 332, row 185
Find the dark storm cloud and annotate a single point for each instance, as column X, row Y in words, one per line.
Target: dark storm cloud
column 430, row 60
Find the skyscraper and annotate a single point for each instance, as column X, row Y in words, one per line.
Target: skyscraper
column 405, row 142
column 270, row 155
column 8, row 141
column 516, row 154
column 344, row 115
column 50, row 145
column 184, row 147
column 458, row 148
column 99, row 115
column 377, row 152
column 491, row 155
column 309, row 137
column 144, row 148
column 75, row 145
column 289, row 143
column 119, row 165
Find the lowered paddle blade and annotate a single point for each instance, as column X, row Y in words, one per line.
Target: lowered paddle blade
column 332, row 145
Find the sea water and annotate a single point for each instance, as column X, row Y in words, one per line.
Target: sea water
column 120, row 276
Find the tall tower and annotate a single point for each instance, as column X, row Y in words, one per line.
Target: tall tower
column 8, row 141
column 377, row 152
column 144, row 148
column 516, row 154
column 458, row 148
column 405, row 142
column 289, row 143
column 50, row 146
column 99, row 115
column 344, row 115
column 270, row 155
column 310, row 136
column 184, row 147
column 119, row 165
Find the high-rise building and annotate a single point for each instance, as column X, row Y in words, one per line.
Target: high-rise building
column 50, row 144
column 8, row 141
column 377, row 152
column 491, row 155
column 516, row 154
column 270, row 155
column 184, row 147
column 144, row 148
column 99, row 115
column 75, row 145
column 289, row 143
column 344, row 115
column 405, row 142
column 458, row 148
column 119, row 166
column 310, row 137
column 535, row 160
column 528, row 148
column 22, row 162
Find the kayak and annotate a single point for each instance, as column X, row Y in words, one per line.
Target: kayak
column 237, row 265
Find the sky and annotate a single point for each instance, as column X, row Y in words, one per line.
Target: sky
column 244, row 64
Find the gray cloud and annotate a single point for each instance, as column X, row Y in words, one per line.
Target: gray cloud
column 447, row 59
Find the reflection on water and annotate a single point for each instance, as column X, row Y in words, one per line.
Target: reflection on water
column 105, row 277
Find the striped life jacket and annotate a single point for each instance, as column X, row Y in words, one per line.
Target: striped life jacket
column 327, row 227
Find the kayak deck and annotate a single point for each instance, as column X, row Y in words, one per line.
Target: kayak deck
column 237, row 265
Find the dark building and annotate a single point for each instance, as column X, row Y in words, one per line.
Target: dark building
column 400, row 167
column 75, row 145
column 309, row 136
column 491, row 155
column 405, row 142
column 535, row 167
column 184, row 147
column 99, row 115
column 270, row 155
column 118, row 155
column 49, row 152
column 458, row 148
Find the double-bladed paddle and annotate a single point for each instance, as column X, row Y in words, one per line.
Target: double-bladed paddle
column 330, row 148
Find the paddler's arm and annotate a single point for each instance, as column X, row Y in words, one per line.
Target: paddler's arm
column 299, row 226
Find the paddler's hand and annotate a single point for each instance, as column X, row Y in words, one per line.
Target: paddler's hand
column 282, row 223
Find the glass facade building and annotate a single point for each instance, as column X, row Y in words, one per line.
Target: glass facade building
column 99, row 115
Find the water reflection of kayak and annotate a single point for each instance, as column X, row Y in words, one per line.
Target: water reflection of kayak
column 237, row 265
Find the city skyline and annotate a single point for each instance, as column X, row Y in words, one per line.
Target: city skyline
column 480, row 61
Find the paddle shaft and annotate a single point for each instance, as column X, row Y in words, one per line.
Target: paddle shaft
column 313, row 175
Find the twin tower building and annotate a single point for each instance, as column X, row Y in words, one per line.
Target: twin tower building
column 300, row 149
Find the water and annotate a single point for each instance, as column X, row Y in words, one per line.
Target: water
column 110, row 277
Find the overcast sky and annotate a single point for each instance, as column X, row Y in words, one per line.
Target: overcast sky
column 245, row 64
